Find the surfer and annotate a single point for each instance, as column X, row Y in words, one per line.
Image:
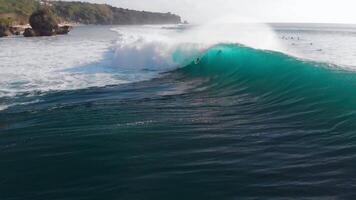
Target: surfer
column 197, row 61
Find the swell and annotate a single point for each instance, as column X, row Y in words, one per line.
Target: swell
column 297, row 88
column 247, row 123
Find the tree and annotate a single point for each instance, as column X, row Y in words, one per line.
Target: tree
column 43, row 22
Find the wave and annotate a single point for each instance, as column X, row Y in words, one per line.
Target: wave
column 274, row 79
column 263, row 123
column 144, row 53
column 112, row 56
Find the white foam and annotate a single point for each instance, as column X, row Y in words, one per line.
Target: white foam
column 154, row 47
column 136, row 53
column 4, row 107
column 41, row 63
column 150, row 48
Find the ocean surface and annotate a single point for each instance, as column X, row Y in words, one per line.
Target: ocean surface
column 218, row 111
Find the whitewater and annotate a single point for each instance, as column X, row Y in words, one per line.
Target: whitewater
column 218, row 111
column 101, row 56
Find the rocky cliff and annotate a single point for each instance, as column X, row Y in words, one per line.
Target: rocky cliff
column 86, row 13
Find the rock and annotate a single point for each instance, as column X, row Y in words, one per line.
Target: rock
column 15, row 30
column 43, row 23
column 5, row 24
column 62, row 30
column 29, row 32
column 4, row 31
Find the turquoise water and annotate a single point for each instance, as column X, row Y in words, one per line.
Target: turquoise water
column 235, row 123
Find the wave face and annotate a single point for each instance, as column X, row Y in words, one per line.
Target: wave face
column 275, row 77
column 233, row 123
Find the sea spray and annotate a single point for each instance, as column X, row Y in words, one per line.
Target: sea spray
column 124, row 54
column 155, row 47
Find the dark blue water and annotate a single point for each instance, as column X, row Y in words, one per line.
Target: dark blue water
column 239, row 123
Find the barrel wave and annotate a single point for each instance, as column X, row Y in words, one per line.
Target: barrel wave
column 275, row 78
column 235, row 123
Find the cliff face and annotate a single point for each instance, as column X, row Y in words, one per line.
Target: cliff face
column 124, row 16
column 86, row 13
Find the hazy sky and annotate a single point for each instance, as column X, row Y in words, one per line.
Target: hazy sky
column 331, row 11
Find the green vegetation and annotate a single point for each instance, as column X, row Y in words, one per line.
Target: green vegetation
column 7, row 22
column 88, row 13
column 21, row 7
column 85, row 13
column 17, row 10
column 43, row 22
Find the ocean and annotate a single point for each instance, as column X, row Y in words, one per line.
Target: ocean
column 219, row 111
